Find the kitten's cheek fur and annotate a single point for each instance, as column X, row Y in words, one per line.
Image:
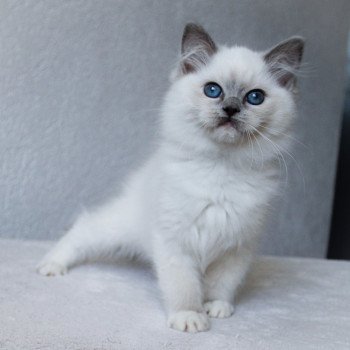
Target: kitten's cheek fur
column 189, row 321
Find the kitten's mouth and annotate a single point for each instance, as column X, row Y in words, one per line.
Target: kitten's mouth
column 228, row 122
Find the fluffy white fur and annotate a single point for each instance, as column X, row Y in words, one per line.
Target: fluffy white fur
column 196, row 206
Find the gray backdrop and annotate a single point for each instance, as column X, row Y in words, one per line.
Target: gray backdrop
column 81, row 82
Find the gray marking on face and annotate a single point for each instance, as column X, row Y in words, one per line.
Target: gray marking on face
column 233, row 89
column 232, row 105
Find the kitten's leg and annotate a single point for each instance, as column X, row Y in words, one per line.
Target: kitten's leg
column 180, row 282
column 100, row 234
column 222, row 279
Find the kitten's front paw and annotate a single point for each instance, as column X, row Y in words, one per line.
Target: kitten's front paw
column 219, row 308
column 189, row 321
column 51, row 269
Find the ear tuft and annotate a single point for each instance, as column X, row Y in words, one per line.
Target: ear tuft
column 284, row 60
column 196, row 48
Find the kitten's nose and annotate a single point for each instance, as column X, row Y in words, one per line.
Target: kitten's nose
column 231, row 110
column 231, row 106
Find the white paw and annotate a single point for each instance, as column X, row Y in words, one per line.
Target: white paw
column 219, row 308
column 189, row 321
column 51, row 268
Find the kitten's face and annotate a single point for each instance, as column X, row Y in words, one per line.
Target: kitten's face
column 233, row 95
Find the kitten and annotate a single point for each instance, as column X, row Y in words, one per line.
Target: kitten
column 196, row 207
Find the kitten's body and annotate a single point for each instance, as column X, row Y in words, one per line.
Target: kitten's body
column 195, row 207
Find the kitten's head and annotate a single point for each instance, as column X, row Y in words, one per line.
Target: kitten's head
column 231, row 96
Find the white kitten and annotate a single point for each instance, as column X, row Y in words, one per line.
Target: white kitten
column 195, row 208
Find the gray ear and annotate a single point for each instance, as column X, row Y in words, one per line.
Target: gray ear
column 284, row 60
column 196, row 48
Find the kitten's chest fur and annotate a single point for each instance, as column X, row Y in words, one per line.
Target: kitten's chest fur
column 221, row 206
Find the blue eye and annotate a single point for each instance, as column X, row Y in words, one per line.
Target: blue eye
column 255, row 97
column 212, row 90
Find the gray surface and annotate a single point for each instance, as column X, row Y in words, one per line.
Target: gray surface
column 287, row 304
column 81, row 82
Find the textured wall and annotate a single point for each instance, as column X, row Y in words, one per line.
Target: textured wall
column 81, row 82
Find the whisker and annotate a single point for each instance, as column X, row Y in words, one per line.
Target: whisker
column 261, row 152
column 284, row 134
column 277, row 149
column 280, row 149
column 297, row 165
column 251, row 149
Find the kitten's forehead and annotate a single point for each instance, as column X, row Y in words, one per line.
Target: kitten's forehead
column 238, row 65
